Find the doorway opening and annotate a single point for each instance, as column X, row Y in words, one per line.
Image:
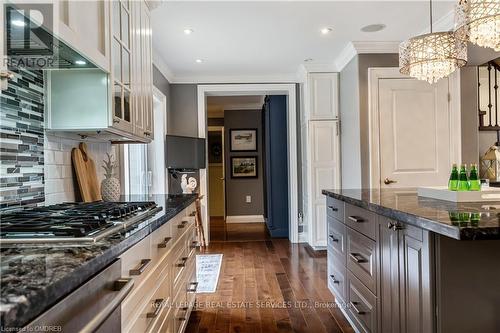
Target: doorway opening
column 235, row 138
column 248, row 162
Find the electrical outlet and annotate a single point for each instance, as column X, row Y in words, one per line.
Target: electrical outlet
column 249, row 199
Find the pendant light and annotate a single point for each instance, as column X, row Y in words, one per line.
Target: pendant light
column 478, row 21
column 432, row 56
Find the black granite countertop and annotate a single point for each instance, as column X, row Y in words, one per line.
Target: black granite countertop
column 462, row 221
column 34, row 277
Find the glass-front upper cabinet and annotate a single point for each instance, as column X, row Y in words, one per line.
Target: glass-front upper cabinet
column 121, row 64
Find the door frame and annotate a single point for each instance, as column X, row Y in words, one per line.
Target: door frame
column 377, row 73
column 220, row 129
column 254, row 89
column 157, row 93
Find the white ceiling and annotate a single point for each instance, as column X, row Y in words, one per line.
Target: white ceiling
column 263, row 39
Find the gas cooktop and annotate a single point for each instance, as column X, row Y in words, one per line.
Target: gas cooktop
column 72, row 222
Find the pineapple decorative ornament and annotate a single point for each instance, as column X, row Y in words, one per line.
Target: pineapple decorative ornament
column 110, row 186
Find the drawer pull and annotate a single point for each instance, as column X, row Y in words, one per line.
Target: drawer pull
column 157, row 305
column 182, row 224
column 334, row 280
column 142, row 267
column 183, row 262
column 356, row 219
column 163, row 244
column 357, row 257
column 193, row 213
column 358, row 311
column 333, row 238
column 194, row 244
column 333, row 209
column 194, row 288
column 185, row 309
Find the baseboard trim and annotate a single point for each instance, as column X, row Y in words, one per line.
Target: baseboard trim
column 245, row 219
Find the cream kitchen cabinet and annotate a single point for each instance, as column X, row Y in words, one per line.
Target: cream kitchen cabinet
column 163, row 266
column 323, row 93
column 321, row 151
column 114, row 104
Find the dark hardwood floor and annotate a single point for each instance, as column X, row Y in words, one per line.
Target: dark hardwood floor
column 234, row 232
column 268, row 286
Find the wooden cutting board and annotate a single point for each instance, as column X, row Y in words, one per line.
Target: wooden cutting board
column 86, row 174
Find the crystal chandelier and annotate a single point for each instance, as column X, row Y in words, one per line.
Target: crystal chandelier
column 478, row 21
column 432, row 56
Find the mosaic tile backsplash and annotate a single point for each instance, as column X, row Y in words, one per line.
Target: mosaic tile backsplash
column 22, row 140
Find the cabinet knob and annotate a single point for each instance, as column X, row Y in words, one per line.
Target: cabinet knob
column 333, row 209
column 333, row 238
column 390, row 225
column 334, row 280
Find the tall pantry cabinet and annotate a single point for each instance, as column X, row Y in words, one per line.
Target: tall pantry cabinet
column 320, row 151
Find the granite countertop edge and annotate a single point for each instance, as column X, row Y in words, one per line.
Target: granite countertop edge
column 41, row 300
column 412, row 219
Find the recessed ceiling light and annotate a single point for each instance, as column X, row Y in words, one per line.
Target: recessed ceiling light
column 188, row 31
column 373, row 28
column 199, row 61
column 18, row 23
column 80, row 62
column 308, row 59
column 326, row 30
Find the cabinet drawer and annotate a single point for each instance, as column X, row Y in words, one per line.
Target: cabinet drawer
column 153, row 310
column 337, row 282
column 361, row 220
column 161, row 241
column 137, row 261
column 179, row 263
column 362, row 258
column 191, row 241
column 181, row 310
column 335, row 208
column 362, row 305
column 337, row 240
column 191, row 284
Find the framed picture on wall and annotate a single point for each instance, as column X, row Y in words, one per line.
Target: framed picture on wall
column 244, row 167
column 243, row 139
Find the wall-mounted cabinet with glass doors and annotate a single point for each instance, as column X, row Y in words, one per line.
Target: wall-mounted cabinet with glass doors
column 123, row 112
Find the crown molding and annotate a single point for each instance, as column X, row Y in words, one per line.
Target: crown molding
column 162, row 66
column 318, row 68
column 277, row 78
column 368, row 47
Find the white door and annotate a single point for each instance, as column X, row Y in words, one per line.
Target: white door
column 415, row 133
column 325, row 173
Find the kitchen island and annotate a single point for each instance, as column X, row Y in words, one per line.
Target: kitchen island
column 398, row 262
column 34, row 277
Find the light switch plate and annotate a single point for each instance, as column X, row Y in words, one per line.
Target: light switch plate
column 249, row 199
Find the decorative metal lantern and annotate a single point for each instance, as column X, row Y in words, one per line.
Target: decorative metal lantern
column 490, row 164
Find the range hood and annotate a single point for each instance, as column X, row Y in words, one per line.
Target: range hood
column 31, row 44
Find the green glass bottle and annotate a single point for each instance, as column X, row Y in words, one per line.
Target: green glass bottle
column 453, row 182
column 474, row 182
column 463, row 181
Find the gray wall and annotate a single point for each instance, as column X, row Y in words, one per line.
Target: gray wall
column 354, row 117
column 183, row 115
column 236, row 188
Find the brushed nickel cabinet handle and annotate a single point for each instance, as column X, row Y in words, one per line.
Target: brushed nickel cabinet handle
column 182, row 224
column 388, row 181
column 142, row 267
column 333, row 209
column 195, row 287
column 358, row 311
column 333, row 238
column 334, row 280
column 356, row 219
column 157, row 305
column 357, row 258
column 390, row 225
column 163, row 244
column 194, row 244
column 116, row 121
column 182, row 262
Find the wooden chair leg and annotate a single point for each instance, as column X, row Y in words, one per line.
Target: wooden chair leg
column 199, row 224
